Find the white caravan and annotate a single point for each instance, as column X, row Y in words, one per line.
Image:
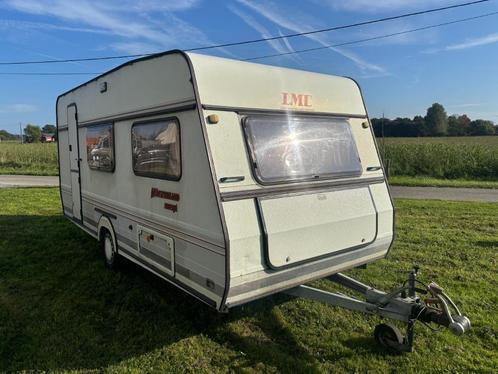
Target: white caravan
column 231, row 180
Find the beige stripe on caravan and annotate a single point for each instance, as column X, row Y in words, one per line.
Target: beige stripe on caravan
column 130, row 243
column 187, row 273
column 301, row 187
column 198, row 279
column 161, row 227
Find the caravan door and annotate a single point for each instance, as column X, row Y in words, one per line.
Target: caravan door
column 74, row 157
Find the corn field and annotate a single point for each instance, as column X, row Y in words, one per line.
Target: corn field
column 448, row 158
column 29, row 159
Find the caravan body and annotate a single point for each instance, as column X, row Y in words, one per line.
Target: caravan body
column 232, row 180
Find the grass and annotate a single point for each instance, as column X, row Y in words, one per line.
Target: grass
column 437, row 182
column 60, row 310
column 28, row 159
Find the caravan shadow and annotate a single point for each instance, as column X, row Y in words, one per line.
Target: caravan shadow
column 60, row 309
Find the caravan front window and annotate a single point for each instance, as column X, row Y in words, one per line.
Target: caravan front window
column 156, row 149
column 100, row 147
column 292, row 148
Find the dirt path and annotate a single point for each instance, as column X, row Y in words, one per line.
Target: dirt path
column 27, row 181
column 446, row 193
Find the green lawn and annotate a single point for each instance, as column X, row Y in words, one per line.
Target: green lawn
column 61, row 310
column 436, row 182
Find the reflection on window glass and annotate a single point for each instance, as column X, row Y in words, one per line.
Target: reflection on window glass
column 296, row 148
column 156, row 149
column 100, row 147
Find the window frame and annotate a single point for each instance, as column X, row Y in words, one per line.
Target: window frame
column 155, row 175
column 113, row 147
column 252, row 157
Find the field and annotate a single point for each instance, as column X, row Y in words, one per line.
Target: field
column 465, row 140
column 28, row 159
column 60, row 310
column 453, row 161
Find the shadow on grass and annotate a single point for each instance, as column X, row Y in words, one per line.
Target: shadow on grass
column 61, row 309
column 487, row 243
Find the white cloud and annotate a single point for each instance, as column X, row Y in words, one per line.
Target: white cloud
column 17, row 108
column 7, row 24
column 135, row 23
column 476, row 42
column 468, row 43
column 381, row 5
column 134, row 48
column 281, row 46
column 300, row 22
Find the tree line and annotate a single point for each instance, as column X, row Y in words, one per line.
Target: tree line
column 435, row 123
column 33, row 132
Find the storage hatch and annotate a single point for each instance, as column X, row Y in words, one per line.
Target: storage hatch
column 157, row 248
column 304, row 227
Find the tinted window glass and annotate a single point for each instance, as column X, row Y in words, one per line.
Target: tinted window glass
column 100, row 147
column 296, row 148
column 156, row 149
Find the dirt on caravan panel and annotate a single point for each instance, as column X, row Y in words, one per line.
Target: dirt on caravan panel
column 282, row 186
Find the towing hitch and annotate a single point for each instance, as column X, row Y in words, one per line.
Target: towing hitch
column 402, row 304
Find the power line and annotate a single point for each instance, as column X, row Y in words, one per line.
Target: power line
column 49, row 73
column 75, row 59
column 245, row 42
column 335, row 28
column 372, row 38
column 301, row 50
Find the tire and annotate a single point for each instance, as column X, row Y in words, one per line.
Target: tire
column 109, row 251
column 389, row 337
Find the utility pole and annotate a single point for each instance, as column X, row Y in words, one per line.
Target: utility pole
column 20, row 132
column 386, row 162
column 382, row 129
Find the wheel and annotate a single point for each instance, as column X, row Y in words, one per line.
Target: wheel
column 389, row 337
column 109, row 249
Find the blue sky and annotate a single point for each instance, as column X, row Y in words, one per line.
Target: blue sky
column 455, row 65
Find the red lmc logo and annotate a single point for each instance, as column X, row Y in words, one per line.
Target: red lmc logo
column 293, row 99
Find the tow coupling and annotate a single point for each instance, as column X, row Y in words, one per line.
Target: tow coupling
column 402, row 304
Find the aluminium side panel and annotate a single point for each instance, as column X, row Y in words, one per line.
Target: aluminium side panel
column 154, row 89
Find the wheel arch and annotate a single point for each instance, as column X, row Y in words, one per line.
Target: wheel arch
column 106, row 224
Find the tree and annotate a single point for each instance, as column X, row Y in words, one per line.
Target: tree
column 419, row 124
column 33, row 132
column 482, row 127
column 436, row 120
column 5, row 135
column 458, row 126
column 48, row 129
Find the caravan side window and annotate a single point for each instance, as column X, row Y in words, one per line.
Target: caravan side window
column 156, row 149
column 100, row 147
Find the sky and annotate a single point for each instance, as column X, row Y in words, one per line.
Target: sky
column 456, row 65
